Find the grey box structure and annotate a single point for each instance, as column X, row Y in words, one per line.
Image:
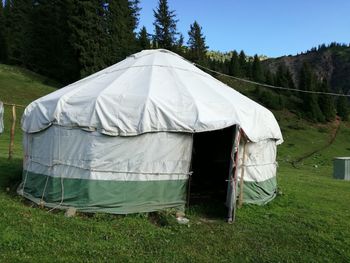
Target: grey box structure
column 341, row 168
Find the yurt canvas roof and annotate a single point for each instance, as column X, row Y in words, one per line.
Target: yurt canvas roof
column 151, row 91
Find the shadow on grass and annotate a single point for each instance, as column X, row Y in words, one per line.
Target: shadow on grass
column 10, row 174
column 208, row 203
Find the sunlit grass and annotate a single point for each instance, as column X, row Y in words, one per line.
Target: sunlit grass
column 309, row 221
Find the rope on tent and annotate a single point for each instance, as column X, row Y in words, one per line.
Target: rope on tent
column 117, row 172
column 271, row 86
column 62, row 185
column 241, row 183
column 262, row 164
column 62, row 196
column 42, row 196
column 26, row 156
column 189, row 176
column 24, row 181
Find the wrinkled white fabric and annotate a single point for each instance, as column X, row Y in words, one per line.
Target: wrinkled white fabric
column 259, row 161
column 74, row 153
column 151, row 91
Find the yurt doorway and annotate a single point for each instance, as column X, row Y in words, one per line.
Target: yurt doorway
column 210, row 165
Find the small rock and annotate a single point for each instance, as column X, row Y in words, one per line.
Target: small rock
column 7, row 189
column 42, row 204
column 182, row 220
column 180, row 214
column 70, row 212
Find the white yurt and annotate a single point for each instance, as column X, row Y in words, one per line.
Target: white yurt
column 121, row 140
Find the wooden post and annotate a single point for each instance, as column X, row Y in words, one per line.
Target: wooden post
column 12, row 132
column 241, row 183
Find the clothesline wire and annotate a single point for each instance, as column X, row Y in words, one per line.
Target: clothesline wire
column 271, row 86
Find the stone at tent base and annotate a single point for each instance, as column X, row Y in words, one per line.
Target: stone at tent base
column 180, row 214
column 70, row 212
column 41, row 204
column 182, row 220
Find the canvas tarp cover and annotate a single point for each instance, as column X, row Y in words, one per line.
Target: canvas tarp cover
column 259, row 175
column 151, row 91
column 94, row 172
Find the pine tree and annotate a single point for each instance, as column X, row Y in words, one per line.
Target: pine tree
column 165, row 26
column 289, row 78
column 196, row 44
column 102, row 33
column 249, row 68
column 154, row 43
column 234, row 67
column 180, row 48
column 50, row 50
column 343, row 108
column 284, row 78
column 3, row 46
column 242, row 59
column 310, row 105
column 280, row 77
column 269, row 77
column 122, row 19
column 143, row 39
column 225, row 64
column 87, row 35
column 18, row 30
column 69, row 39
column 326, row 102
column 257, row 72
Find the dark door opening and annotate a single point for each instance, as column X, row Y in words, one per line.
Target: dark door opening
column 210, row 165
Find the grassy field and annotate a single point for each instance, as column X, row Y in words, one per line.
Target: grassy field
column 309, row 221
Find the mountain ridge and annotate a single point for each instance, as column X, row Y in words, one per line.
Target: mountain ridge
column 331, row 63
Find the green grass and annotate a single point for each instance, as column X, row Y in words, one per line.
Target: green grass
column 19, row 86
column 309, row 221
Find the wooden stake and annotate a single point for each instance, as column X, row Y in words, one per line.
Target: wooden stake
column 12, row 132
column 241, row 182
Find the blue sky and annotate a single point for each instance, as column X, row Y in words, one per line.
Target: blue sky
column 270, row 27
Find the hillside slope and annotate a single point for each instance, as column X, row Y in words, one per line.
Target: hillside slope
column 22, row 86
column 19, row 86
column 331, row 63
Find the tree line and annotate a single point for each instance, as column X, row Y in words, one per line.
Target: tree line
column 67, row 39
column 70, row 39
